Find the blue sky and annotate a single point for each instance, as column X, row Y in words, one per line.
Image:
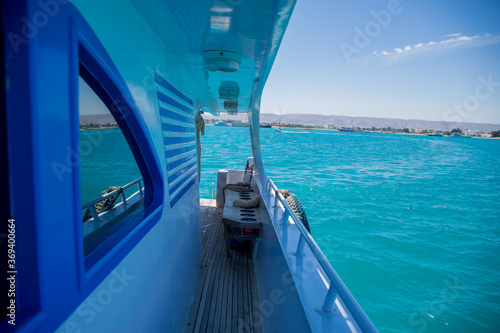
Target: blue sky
column 419, row 59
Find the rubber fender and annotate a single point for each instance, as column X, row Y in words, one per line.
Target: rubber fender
column 294, row 202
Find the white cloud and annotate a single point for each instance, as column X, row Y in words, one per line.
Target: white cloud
column 465, row 38
column 458, row 39
column 452, row 41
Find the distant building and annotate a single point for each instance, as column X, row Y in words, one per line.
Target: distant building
column 485, row 135
column 472, row 133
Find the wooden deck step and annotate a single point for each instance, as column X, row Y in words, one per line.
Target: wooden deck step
column 226, row 298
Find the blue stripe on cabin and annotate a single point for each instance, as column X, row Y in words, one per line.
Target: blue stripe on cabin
column 174, row 140
column 170, row 101
column 175, row 164
column 178, row 151
column 175, row 116
column 177, row 128
column 174, row 176
column 179, row 195
column 167, row 85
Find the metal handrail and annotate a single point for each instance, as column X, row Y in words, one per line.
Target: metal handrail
column 91, row 204
column 337, row 288
column 110, row 194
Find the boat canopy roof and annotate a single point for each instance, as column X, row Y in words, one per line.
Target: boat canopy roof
column 219, row 52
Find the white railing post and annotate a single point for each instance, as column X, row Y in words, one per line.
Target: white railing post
column 124, row 199
column 300, row 245
column 330, row 298
column 276, row 200
column 286, row 216
column 94, row 213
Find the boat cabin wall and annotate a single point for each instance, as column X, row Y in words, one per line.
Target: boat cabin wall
column 145, row 279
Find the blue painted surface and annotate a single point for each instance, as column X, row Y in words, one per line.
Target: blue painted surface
column 277, row 289
column 174, row 116
column 170, row 87
column 189, row 147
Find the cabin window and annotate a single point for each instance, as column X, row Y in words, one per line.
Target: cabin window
column 111, row 185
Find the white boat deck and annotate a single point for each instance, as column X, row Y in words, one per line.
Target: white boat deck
column 226, row 298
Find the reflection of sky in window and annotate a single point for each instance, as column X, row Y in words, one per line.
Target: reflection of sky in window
column 88, row 101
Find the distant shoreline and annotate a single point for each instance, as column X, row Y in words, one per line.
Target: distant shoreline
column 97, row 128
column 376, row 132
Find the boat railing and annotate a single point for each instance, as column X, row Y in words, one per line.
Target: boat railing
column 91, row 204
column 337, row 288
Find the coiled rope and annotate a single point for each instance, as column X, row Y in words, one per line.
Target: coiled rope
column 238, row 187
column 200, row 128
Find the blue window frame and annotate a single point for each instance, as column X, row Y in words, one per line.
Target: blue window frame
column 100, row 74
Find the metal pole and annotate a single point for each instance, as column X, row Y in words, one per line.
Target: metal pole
column 94, row 213
column 330, row 298
column 276, row 200
column 300, row 245
column 124, row 200
column 286, row 215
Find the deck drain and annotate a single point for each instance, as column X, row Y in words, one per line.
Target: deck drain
column 247, row 210
column 245, row 214
column 248, row 219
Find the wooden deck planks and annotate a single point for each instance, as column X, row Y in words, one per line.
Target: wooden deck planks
column 226, row 295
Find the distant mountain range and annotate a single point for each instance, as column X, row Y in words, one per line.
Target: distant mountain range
column 339, row 121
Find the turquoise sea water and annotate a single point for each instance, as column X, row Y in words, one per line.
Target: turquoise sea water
column 106, row 160
column 410, row 223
